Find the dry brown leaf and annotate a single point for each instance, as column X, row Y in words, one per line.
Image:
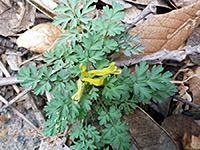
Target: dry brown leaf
column 183, row 3
column 183, row 93
column 193, row 40
column 163, row 107
column 146, row 134
column 3, row 119
column 126, row 5
column 194, row 84
column 15, row 16
column 195, row 142
column 12, row 60
column 167, row 31
column 40, row 38
column 191, row 142
column 178, row 125
column 161, row 3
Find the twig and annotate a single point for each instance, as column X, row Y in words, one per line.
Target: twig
column 179, row 71
column 187, row 102
column 26, row 61
column 7, row 74
column 177, row 82
column 157, row 58
column 18, row 53
column 15, row 99
column 51, row 14
column 173, row 4
column 9, row 81
column 151, row 8
column 40, row 15
column 49, row 96
column 66, row 131
column 21, row 115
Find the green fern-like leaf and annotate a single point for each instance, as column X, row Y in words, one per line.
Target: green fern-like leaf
column 151, row 84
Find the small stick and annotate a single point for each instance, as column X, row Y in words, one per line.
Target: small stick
column 187, row 102
column 30, row 59
column 176, row 82
column 15, row 99
column 173, row 4
column 9, row 81
column 41, row 7
column 21, row 115
column 151, row 8
column 179, row 71
column 49, row 96
column 7, row 74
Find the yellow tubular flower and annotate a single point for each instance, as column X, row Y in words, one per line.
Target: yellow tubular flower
column 78, row 94
column 112, row 69
column 83, row 70
column 96, row 82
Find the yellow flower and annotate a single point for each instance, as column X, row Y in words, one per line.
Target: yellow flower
column 88, row 77
column 78, row 94
column 112, row 69
column 96, row 82
column 83, row 70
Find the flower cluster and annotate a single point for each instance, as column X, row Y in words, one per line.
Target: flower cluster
column 90, row 77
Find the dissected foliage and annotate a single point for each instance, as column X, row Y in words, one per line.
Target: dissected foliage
column 81, row 75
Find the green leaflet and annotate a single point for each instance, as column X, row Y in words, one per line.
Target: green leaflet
column 151, row 84
column 87, row 135
column 116, row 135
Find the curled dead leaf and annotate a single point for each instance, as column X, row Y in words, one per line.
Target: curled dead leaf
column 183, row 93
column 40, row 38
column 195, row 142
column 194, row 84
column 191, row 142
column 178, row 125
column 15, row 16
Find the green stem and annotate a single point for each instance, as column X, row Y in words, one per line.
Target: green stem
column 105, row 35
column 86, row 121
column 88, row 62
column 113, row 56
column 109, row 117
column 74, row 14
column 106, row 32
column 106, row 111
